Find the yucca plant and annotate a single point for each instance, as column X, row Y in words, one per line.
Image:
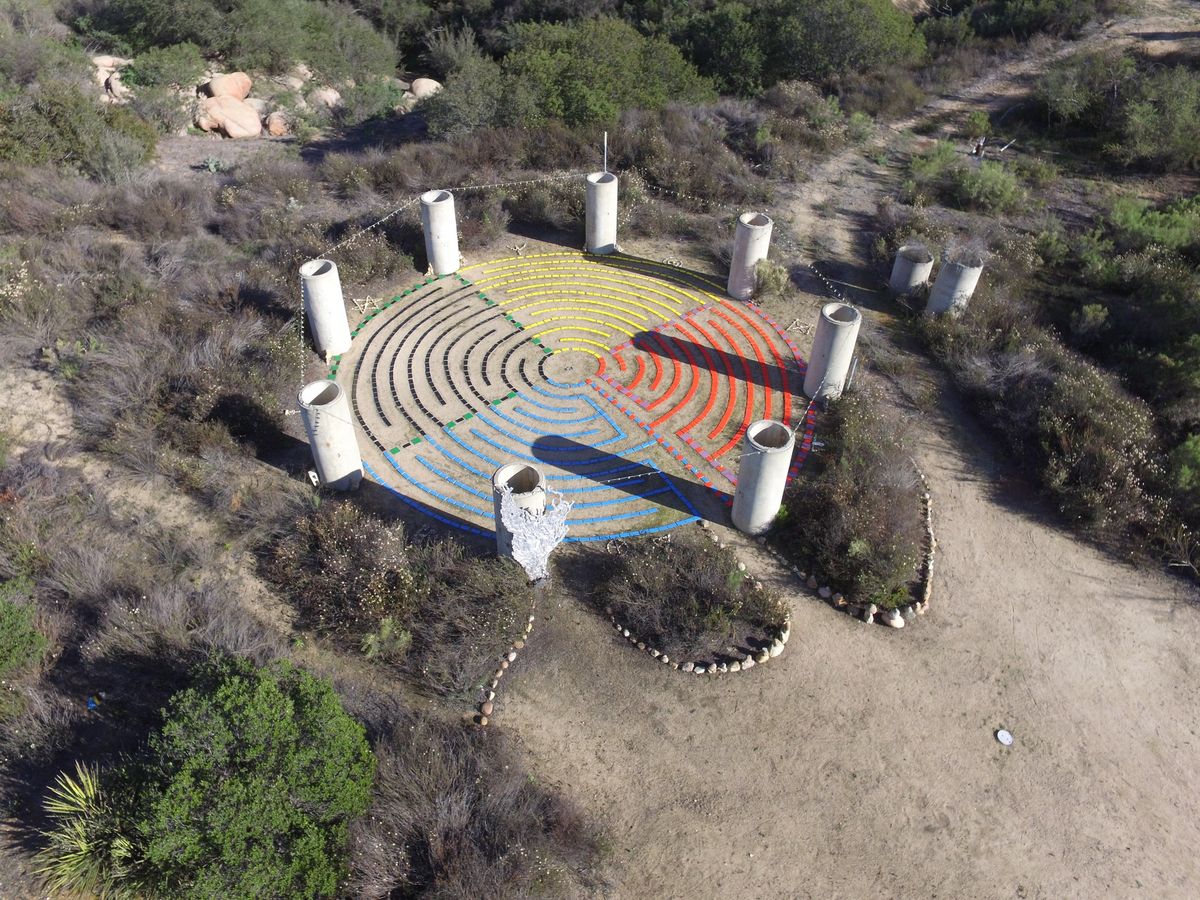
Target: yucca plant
column 85, row 849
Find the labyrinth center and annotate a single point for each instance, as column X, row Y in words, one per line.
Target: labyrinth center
column 629, row 382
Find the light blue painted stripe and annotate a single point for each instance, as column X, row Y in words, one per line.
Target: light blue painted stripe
column 580, row 539
column 518, row 411
column 425, row 510
column 540, row 431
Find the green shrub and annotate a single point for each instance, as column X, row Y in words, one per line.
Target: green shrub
column 1159, row 122
column 258, row 34
column 1175, row 226
column 1085, row 87
column 245, row 791
column 857, row 519
column 818, row 39
column 1022, row 18
column 163, row 108
column 727, row 45
column 59, row 124
column 991, row 187
column 179, row 65
column 21, row 644
column 589, row 72
column 250, row 784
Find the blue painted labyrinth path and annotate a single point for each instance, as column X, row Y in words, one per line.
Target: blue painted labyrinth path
column 629, row 382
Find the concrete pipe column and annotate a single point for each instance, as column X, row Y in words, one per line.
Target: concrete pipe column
column 324, row 307
column 751, row 241
column 600, row 216
column 956, row 282
column 833, row 351
column 528, row 485
column 762, row 475
column 911, row 269
column 441, row 231
column 326, row 414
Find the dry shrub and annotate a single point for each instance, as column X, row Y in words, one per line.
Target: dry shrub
column 43, row 201
column 857, row 519
column 161, row 208
column 1090, row 445
column 457, row 814
column 471, row 610
column 345, row 570
column 681, row 594
column 186, row 621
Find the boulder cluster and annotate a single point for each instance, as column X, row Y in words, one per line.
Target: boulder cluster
column 223, row 105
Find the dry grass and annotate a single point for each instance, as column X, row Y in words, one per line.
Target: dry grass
column 457, row 815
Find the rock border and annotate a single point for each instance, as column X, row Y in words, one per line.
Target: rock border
column 894, row 618
column 771, row 648
column 486, row 707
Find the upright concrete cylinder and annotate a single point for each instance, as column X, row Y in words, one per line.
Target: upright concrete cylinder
column 751, row 241
column 762, row 475
column 441, row 231
column 911, row 269
column 956, row 282
column 324, row 307
column 528, row 485
column 600, row 217
column 326, row 414
column 833, row 351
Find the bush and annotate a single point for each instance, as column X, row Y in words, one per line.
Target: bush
column 991, row 188
column 682, row 595
column 589, row 72
column 257, row 34
column 857, row 521
column 21, row 644
column 247, row 790
column 457, row 813
column 1022, row 18
column 1175, row 226
column 819, row 39
column 251, row 784
column 346, row 570
column 1160, row 120
column 1090, row 445
column 179, row 65
column 59, row 124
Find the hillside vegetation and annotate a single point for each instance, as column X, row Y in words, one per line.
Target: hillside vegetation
column 196, row 702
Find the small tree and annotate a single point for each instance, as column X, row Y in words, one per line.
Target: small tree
column 251, row 784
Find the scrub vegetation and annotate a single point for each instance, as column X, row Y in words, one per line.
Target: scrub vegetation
column 218, row 681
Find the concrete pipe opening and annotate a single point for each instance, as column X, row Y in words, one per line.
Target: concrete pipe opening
column 433, row 198
column 523, row 480
column 320, row 393
column 769, row 435
column 840, row 313
column 601, row 178
column 755, row 220
column 916, row 253
column 315, row 268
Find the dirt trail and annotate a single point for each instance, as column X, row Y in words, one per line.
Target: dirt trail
column 863, row 762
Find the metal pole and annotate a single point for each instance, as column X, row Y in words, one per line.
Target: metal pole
column 606, row 151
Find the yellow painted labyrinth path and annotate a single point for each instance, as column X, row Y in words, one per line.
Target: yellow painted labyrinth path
column 625, row 379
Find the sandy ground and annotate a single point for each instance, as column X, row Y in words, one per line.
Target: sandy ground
column 863, row 762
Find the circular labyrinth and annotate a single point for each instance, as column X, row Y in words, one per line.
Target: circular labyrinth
column 629, row 382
